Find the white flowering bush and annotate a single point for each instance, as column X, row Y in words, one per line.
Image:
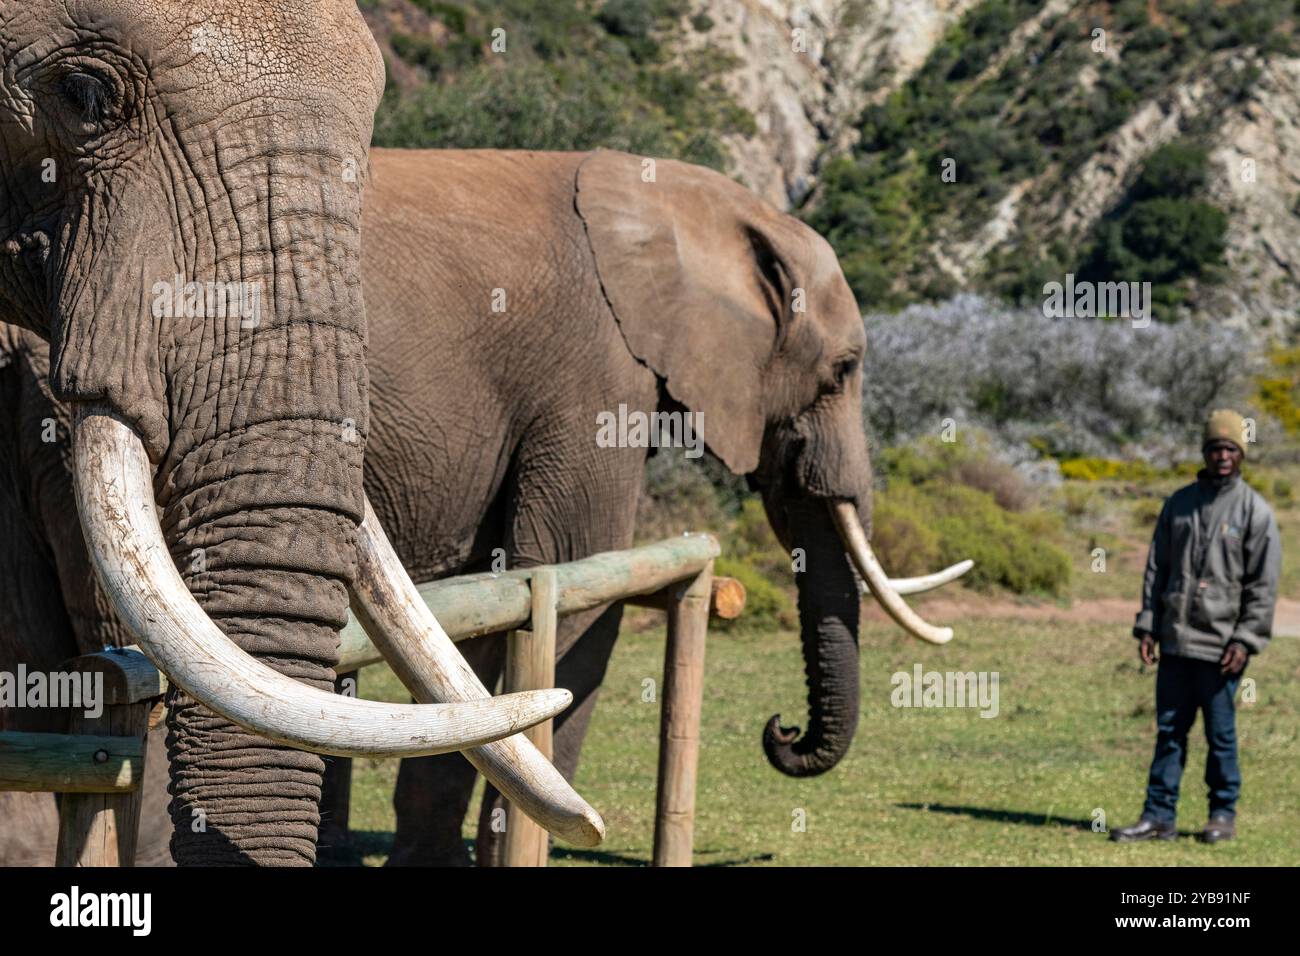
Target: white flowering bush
column 1064, row 386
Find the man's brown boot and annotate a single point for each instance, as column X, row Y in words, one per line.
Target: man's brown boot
column 1219, row 828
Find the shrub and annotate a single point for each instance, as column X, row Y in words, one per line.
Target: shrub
column 1177, row 170
column 1159, row 233
column 1278, row 393
column 1282, row 490
column 1068, row 387
column 685, row 495
column 751, row 539
column 972, row 462
column 578, row 76
column 1009, row 550
column 1173, row 238
column 702, row 22
column 1146, row 511
column 997, row 478
column 751, row 532
column 901, row 533
column 1079, row 502
column 453, row 17
column 1107, row 469
column 932, row 513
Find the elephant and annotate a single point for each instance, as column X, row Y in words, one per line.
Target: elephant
column 602, row 284
column 182, row 219
column 570, row 286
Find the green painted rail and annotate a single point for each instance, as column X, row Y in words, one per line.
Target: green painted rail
column 479, row 604
column 466, row 607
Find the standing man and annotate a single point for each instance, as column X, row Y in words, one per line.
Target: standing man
column 1207, row 598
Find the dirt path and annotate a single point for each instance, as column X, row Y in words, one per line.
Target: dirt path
column 1118, row 611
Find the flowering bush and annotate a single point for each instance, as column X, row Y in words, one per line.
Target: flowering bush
column 1067, row 387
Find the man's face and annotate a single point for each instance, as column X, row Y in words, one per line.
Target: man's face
column 1222, row 458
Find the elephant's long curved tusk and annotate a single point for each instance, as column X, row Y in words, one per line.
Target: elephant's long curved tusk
column 928, row 582
column 401, row 625
column 114, row 485
column 845, row 516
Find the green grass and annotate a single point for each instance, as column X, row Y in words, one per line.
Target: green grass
column 935, row 787
column 930, row 787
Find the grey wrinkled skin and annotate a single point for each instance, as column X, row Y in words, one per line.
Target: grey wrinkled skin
column 483, row 433
column 51, row 608
column 209, row 139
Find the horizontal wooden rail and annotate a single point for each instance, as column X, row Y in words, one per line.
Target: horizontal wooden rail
column 70, row 763
column 479, row 604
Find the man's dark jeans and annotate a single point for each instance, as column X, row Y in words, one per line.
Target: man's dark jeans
column 1184, row 686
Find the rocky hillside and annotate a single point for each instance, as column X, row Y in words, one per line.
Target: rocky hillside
column 801, row 71
column 807, row 70
column 1148, row 140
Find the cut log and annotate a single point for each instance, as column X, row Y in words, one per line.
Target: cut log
column 726, row 600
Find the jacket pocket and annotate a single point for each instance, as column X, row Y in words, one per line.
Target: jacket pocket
column 1214, row 609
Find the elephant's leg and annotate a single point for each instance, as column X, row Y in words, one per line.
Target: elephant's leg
column 573, row 499
column 51, row 611
column 433, row 793
column 35, row 632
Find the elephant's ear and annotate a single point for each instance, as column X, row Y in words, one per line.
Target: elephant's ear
column 702, row 276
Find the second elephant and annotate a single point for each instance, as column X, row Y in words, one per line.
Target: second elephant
column 585, row 287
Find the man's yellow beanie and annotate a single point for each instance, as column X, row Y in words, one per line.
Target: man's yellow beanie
column 1225, row 425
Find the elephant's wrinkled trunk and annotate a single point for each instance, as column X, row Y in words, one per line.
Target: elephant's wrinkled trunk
column 261, row 519
column 260, row 495
column 274, row 578
column 828, row 621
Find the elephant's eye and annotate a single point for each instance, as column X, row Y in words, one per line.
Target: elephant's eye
column 843, row 369
column 91, row 95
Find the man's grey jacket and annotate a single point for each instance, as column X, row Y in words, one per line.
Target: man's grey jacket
column 1212, row 571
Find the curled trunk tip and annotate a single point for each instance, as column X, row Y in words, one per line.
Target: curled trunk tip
column 782, row 745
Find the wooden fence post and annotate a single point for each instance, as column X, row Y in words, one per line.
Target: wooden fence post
column 530, row 665
column 679, row 722
column 100, row 829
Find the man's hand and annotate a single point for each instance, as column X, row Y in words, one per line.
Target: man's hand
column 1234, row 659
column 1147, row 649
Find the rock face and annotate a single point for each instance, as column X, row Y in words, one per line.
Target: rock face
column 1258, row 160
column 806, row 69
column 1254, row 178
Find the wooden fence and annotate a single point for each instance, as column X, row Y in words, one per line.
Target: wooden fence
column 99, row 764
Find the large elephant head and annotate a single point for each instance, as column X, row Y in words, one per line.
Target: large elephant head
column 182, row 185
column 745, row 315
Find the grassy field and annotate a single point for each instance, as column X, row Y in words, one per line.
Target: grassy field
column 1073, row 736
column 1071, row 741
